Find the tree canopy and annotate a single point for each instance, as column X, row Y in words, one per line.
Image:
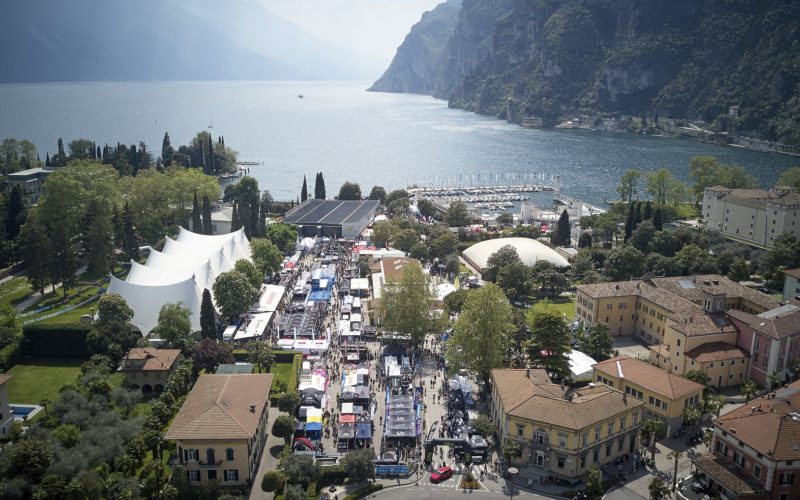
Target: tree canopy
column 350, row 191
column 549, row 346
column 407, row 305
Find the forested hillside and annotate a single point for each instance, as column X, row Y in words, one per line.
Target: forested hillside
column 678, row 58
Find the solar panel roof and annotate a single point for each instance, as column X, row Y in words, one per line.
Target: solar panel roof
column 330, row 212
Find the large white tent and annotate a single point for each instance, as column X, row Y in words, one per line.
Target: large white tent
column 179, row 273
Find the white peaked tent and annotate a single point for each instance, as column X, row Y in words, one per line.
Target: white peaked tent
column 179, row 273
column 146, row 301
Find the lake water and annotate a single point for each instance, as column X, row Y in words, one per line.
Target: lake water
column 391, row 140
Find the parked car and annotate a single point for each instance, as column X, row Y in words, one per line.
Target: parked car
column 441, row 474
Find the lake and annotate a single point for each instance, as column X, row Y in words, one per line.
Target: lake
column 347, row 133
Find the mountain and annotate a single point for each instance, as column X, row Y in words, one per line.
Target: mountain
column 124, row 40
column 685, row 59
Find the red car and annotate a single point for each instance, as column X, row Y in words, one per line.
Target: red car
column 441, row 474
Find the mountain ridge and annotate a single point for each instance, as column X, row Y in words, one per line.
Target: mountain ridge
column 681, row 59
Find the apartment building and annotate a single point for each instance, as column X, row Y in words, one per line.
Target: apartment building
column 148, row 368
column 754, row 216
column 791, row 284
column 30, row 182
column 755, row 449
column 665, row 394
column 221, row 428
column 560, row 430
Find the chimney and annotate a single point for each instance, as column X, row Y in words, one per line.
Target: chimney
column 252, row 407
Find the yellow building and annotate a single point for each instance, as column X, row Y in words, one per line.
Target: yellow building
column 674, row 316
column 221, row 429
column 665, row 393
column 148, row 368
column 561, row 430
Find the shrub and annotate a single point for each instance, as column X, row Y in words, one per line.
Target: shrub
column 10, row 355
column 55, row 341
column 365, row 491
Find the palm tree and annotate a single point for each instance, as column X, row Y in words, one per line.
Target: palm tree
column 774, row 379
column 658, row 490
column 651, row 430
column 676, row 456
column 749, row 390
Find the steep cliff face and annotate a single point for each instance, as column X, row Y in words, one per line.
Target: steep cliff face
column 418, row 66
column 669, row 58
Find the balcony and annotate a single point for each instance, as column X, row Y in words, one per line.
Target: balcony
column 539, row 444
column 210, row 465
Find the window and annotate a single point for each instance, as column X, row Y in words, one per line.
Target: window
column 585, row 439
column 722, row 448
column 679, row 342
column 210, row 458
column 212, row 475
column 610, row 428
column 520, row 430
column 583, row 461
column 787, row 478
column 193, row 475
column 608, row 449
column 190, row 456
column 620, row 442
column 652, row 400
column 562, row 440
column 229, row 454
column 231, row 475
column 597, row 434
column 606, row 319
column 609, row 306
column 635, row 418
column 757, row 471
column 561, row 462
column 623, row 305
column 721, row 363
column 622, row 423
column 596, row 455
column 738, row 459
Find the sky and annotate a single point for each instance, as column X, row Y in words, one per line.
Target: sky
column 374, row 26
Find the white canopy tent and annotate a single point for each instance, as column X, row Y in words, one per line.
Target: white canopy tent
column 179, row 273
column 580, row 366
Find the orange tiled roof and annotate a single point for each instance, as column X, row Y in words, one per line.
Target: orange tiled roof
column 218, row 407
column 393, row 267
column 516, row 385
column 794, row 273
column 769, row 424
column 649, row 376
column 779, row 323
column 716, row 351
column 5, row 377
column 155, row 359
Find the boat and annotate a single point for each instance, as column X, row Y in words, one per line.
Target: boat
column 299, row 96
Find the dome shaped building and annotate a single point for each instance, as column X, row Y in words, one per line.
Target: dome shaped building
column 530, row 252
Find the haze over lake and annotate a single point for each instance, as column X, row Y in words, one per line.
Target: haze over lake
column 348, row 134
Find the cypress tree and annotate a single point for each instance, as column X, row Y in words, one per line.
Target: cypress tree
column 208, row 320
column 319, row 187
column 657, row 223
column 648, row 211
column 629, row 221
column 304, row 190
column 166, row 150
column 15, row 212
column 211, row 160
column 637, row 215
column 98, row 154
column 208, row 228
column 235, row 219
column 47, row 160
column 561, row 236
column 253, row 217
column 197, row 223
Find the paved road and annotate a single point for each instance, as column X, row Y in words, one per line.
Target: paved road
column 428, row 492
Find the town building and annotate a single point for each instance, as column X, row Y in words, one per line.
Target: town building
column 562, row 430
column 221, row 218
column 332, row 218
column 6, row 417
column 148, row 368
column 30, row 182
column 221, row 428
column 773, row 340
column 791, row 284
column 665, row 393
column 388, row 271
column 755, row 451
column 675, row 316
column 754, row 216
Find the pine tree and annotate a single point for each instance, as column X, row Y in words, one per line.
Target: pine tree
column 197, row 224
column 235, row 219
column 630, row 221
column 648, row 211
column 657, row 222
column 304, row 190
column 130, row 240
column 15, row 212
column 208, row 227
column 208, row 320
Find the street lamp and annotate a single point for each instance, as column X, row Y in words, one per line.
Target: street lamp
column 512, row 473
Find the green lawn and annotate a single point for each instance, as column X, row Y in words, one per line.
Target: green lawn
column 37, row 378
column 282, row 371
column 70, row 317
column 564, row 305
column 14, row 291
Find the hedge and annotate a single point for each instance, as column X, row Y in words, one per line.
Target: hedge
column 365, row 491
column 10, row 355
column 55, row 340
